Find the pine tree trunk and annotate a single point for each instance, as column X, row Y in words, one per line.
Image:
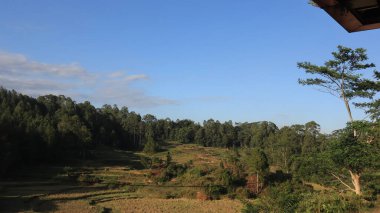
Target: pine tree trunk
column 348, row 110
column 356, row 182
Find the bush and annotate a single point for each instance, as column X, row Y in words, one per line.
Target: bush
column 170, row 172
column 88, row 179
column 293, row 197
column 157, row 162
column 146, row 162
column 329, row 202
column 371, row 182
column 197, row 172
column 280, row 198
column 214, row 192
column 130, row 189
column 242, row 193
column 250, row 208
column 114, row 185
column 105, row 210
column 151, row 146
column 171, row 195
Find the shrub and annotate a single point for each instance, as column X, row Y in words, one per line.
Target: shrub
column 250, row 208
column 329, row 202
column 242, row 193
column 106, row 210
column 151, row 146
column 114, row 185
column 171, row 195
column 129, row 189
column 170, row 172
column 214, row 191
column 280, row 198
column 157, row 162
column 88, row 179
column 197, row 172
column 146, row 162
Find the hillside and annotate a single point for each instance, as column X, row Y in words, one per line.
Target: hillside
column 113, row 179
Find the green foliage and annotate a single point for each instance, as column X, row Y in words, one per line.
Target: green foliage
column 257, row 161
column 214, row 191
column 197, row 172
column 280, row 198
column 146, row 162
column 242, row 193
column 92, row 202
column 314, row 167
column 338, row 76
column 289, row 142
column 168, row 159
column 250, row 208
column 171, row 171
column 373, row 106
column 88, row 179
column 329, row 202
column 157, row 162
column 351, row 154
column 371, row 182
column 341, row 76
column 226, row 178
column 151, row 146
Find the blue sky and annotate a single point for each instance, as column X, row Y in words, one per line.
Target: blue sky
column 197, row 59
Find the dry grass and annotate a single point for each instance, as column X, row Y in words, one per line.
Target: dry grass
column 317, row 186
column 182, row 153
column 174, row 205
column 119, row 201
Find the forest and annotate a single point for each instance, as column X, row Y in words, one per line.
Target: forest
column 282, row 163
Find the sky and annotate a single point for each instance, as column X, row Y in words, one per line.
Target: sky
column 195, row 59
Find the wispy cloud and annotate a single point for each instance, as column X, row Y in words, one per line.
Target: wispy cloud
column 117, row 74
column 136, row 77
column 19, row 64
column 37, row 78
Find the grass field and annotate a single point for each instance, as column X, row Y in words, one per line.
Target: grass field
column 112, row 181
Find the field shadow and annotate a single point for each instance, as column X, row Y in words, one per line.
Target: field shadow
column 22, row 204
column 36, row 204
column 279, row 177
column 109, row 158
column 166, row 146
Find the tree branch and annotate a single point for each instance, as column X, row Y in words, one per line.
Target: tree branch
column 340, row 180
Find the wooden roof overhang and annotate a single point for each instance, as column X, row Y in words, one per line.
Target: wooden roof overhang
column 353, row 15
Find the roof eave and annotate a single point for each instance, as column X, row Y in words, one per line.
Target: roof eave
column 345, row 18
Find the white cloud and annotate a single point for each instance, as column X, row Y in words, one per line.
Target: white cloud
column 19, row 64
column 117, row 74
column 35, row 78
column 136, row 77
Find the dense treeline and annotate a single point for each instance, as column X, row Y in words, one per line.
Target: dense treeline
column 52, row 128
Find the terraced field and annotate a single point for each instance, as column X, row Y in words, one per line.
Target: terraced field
column 112, row 181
